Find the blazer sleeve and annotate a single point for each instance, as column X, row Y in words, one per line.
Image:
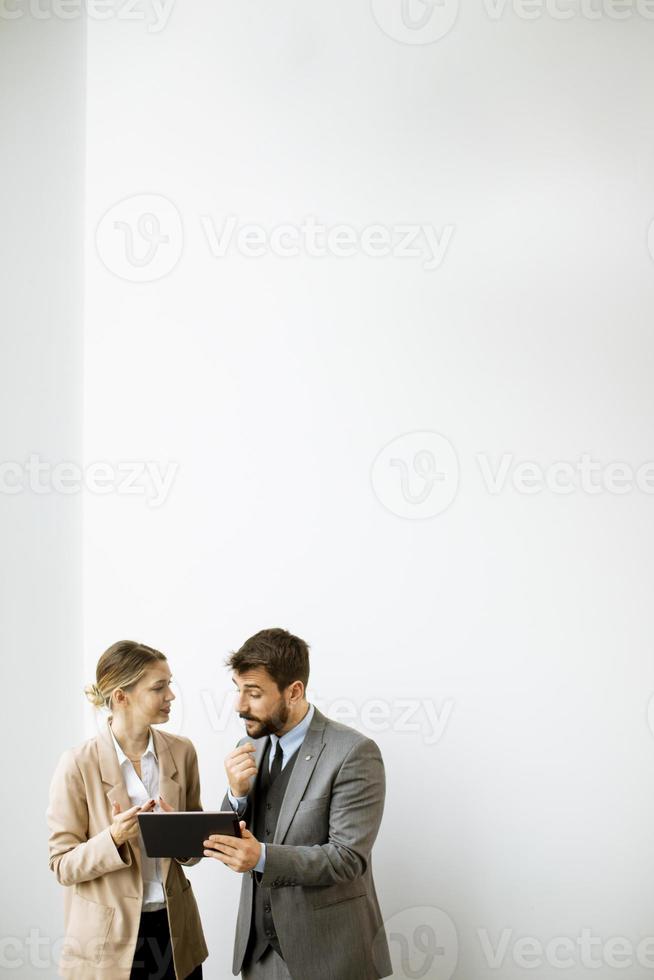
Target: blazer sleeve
column 74, row 857
column 193, row 800
column 356, row 808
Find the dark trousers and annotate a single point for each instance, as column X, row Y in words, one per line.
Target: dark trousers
column 153, row 957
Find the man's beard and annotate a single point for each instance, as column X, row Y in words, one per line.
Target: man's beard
column 270, row 725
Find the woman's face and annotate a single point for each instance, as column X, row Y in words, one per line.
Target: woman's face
column 148, row 702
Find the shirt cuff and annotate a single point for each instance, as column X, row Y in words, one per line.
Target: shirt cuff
column 239, row 803
column 261, row 863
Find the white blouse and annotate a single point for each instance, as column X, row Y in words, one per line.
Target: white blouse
column 140, row 790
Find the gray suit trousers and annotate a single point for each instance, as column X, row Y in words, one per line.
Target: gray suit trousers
column 270, row 967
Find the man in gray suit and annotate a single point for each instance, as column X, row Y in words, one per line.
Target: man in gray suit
column 311, row 791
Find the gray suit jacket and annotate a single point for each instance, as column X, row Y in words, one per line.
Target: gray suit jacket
column 318, row 866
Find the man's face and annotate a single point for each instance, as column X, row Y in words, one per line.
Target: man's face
column 260, row 703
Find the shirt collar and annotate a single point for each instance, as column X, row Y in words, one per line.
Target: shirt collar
column 121, row 755
column 293, row 740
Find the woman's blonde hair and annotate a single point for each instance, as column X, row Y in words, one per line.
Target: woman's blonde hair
column 122, row 665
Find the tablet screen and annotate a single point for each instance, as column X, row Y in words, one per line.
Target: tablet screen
column 182, row 835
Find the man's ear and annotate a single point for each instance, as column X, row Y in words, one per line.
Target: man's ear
column 297, row 691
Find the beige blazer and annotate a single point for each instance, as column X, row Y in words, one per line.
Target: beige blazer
column 103, row 885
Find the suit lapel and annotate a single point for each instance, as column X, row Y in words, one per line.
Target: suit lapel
column 112, row 777
column 169, row 788
column 110, row 770
column 308, row 755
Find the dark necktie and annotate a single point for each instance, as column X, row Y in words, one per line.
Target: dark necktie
column 276, row 766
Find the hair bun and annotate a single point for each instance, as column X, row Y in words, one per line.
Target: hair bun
column 94, row 695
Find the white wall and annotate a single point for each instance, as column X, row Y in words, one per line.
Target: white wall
column 41, row 198
column 274, row 382
column 519, row 620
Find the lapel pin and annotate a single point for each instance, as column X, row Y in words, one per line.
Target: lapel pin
column 307, row 758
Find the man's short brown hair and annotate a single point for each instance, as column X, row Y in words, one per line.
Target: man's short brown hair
column 284, row 656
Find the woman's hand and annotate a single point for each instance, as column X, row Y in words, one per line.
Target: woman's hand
column 125, row 826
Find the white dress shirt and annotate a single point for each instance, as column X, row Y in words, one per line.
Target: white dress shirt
column 140, row 790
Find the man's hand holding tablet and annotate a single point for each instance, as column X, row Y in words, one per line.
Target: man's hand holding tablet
column 238, row 853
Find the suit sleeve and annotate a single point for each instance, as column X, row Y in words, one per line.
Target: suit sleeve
column 193, row 801
column 74, row 857
column 356, row 808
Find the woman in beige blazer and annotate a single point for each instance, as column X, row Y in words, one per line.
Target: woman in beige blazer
column 127, row 916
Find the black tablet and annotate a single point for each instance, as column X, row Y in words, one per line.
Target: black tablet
column 182, row 835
